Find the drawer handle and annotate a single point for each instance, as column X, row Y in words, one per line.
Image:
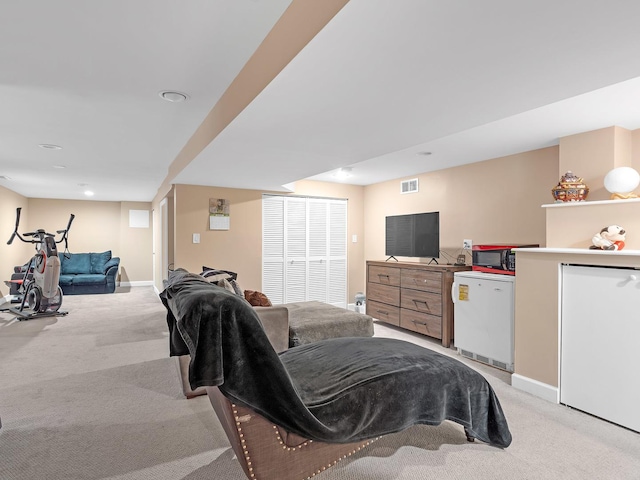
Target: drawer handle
column 383, row 275
column 382, row 312
column 419, row 323
column 424, row 280
column 421, row 301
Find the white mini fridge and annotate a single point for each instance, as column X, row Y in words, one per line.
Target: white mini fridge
column 483, row 317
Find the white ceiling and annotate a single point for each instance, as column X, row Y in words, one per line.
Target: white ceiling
column 384, row 80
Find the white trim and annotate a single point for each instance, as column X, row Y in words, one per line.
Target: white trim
column 141, row 283
column 534, row 387
column 594, row 202
column 580, row 251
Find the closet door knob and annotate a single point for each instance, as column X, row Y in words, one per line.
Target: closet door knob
column 633, row 277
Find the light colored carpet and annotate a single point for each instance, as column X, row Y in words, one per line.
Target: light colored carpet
column 93, row 395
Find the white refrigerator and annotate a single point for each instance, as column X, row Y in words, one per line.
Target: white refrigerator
column 483, row 316
column 600, row 326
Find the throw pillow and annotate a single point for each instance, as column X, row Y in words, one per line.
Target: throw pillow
column 257, row 299
column 215, row 271
column 216, row 277
column 224, row 283
column 236, row 287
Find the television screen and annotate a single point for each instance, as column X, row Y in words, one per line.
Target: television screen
column 414, row 235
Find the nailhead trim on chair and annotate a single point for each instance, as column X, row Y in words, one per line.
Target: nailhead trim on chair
column 289, row 449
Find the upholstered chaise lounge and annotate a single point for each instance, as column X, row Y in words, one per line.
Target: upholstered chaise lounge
column 291, row 415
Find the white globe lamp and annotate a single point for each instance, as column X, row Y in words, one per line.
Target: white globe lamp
column 621, row 182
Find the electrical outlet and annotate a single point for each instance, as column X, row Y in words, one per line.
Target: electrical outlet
column 466, row 244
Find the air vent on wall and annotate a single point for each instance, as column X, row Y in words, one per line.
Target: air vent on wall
column 409, row 186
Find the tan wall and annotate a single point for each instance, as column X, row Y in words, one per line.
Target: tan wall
column 239, row 249
column 99, row 226
column 537, row 323
column 635, row 152
column 590, row 155
column 17, row 253
column 572, row 226
column 135, row 246
column 492, row 201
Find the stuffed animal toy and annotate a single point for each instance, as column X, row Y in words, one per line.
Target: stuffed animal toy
column 609, row 238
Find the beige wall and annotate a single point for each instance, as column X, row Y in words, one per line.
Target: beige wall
column 17, row 253
column 492, row 201
column 590, row 155
column 98, row 226
column 135, row 246
column 468, row 206
column 537, row 318
column 239, row 249
column 572, row 226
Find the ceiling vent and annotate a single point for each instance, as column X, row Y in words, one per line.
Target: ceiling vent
column 409, row 186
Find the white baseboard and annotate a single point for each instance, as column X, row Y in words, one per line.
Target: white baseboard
column 142, row 283
column 534, row 387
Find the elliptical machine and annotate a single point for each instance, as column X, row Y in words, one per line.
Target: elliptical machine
column 41, row 294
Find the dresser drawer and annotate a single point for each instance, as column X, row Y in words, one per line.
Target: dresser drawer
column 384, row 275
column 421, row 280
column 421, row 323
column 384, row 293
column 383, row 312
column 426, row 302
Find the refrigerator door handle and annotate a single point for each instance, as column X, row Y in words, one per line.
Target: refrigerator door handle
column 453, row 292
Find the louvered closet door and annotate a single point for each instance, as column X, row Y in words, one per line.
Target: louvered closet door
column 273, row 248
column 337, row 271
column 318, row 227
column 295, row 235
column 304, row 249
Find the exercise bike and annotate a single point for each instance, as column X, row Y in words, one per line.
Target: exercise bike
column 41, row 294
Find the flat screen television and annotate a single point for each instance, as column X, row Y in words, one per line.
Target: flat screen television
column 414, row 235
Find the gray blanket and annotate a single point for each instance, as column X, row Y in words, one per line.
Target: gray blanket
column 338, row 391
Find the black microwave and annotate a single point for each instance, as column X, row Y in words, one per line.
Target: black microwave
column 496, row 257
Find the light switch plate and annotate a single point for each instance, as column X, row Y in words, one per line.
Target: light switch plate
column 196, row 238
column 467, row 244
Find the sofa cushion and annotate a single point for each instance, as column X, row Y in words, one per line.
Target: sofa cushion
column 65, row 279
column 76, row 263
column 98, row 261
column 89, row 279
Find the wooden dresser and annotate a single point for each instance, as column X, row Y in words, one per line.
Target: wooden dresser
column 415, row 296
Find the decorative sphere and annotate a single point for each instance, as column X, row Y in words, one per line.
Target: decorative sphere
column 622, row 180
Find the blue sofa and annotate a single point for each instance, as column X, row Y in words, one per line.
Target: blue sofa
column 84, row 273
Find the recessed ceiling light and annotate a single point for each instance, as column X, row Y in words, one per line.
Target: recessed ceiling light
column 88, row 193
column 343, row 173
column 50, row 146
column 172, row 96
column 424, row 153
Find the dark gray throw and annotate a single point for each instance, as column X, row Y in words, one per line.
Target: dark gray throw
column 337, row 391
